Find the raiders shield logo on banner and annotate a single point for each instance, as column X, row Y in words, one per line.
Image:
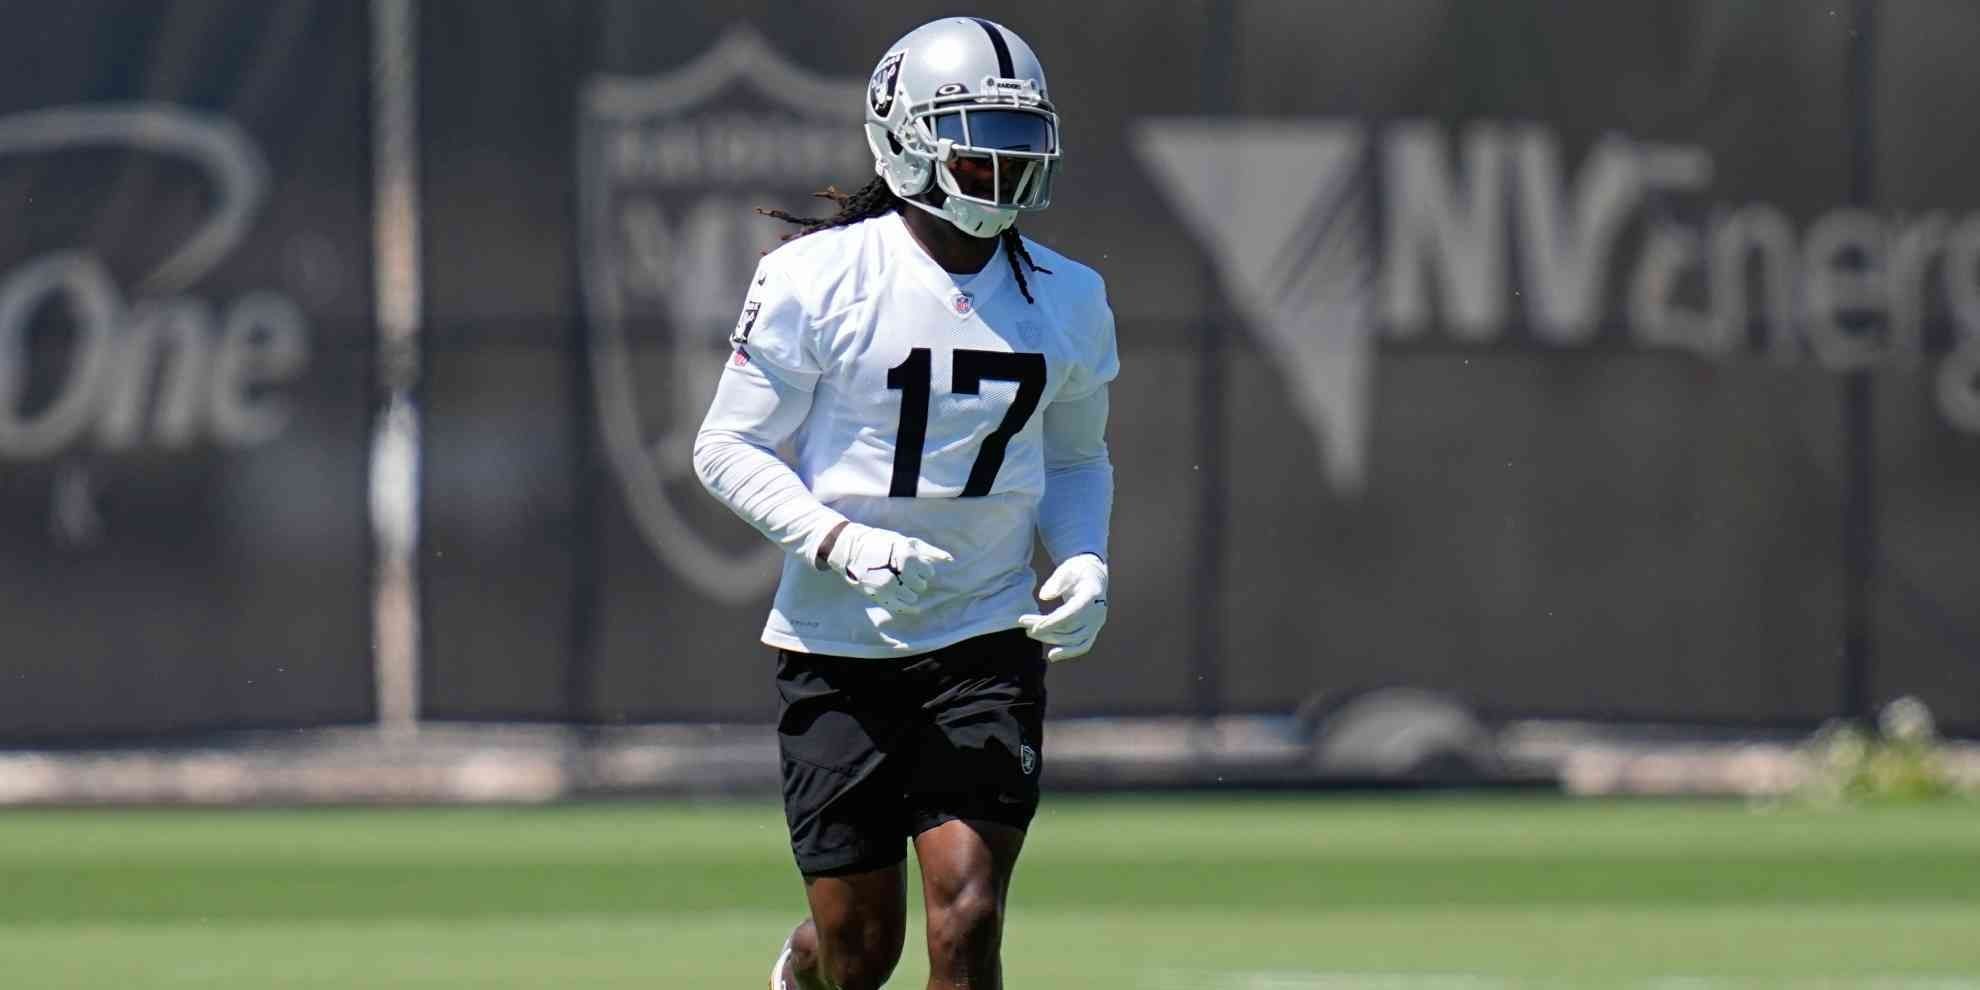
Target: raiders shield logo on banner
column 671, row 169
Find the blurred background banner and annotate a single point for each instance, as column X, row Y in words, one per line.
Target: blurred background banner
column 1521, row 400
column 1569, row 362
column 593, row 172
column 1605, row 361
column 184, row 369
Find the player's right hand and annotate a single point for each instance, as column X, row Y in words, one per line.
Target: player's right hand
column 891, row 569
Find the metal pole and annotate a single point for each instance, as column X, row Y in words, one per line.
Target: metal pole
column 1859, row 479
column 1219, row 100
column 398, row 304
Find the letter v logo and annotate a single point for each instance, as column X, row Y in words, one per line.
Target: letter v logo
column 1283, row 208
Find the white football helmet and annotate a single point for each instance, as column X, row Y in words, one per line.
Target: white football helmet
column 960, row 103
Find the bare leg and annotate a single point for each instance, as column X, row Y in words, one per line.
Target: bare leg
column 854, row 935
column 965, row 881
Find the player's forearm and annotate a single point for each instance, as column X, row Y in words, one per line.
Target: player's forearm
column 1079, row 478
column 760, row 488
column 1074, row 515
column 735, row 458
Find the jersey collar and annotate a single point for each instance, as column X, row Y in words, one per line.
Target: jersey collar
column 936, row 279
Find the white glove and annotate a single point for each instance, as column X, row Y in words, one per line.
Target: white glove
column 887, row 567
column 1073, row 626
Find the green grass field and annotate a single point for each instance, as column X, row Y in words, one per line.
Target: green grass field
column 1232, row 894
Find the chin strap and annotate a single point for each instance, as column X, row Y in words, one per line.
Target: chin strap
column 973, row 219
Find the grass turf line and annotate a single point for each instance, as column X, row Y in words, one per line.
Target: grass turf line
column 1597, row 894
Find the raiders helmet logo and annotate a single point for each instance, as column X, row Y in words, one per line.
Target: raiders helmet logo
column 880, row 91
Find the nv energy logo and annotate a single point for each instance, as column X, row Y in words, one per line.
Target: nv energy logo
column 155, row 366
column 1491, row 231
column 671, row 170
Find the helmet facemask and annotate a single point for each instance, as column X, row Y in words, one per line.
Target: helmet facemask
column 993, row 153
column 1000, row 156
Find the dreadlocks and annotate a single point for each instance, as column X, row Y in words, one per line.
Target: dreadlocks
column 875, row 199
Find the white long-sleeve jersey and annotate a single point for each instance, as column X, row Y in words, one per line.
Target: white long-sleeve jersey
column 969, row 418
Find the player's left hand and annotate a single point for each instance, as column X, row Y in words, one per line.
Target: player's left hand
column 1072, row 627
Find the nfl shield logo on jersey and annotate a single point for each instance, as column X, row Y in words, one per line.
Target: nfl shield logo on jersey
column 670, row 170
column 1028, row 759
column 962, row 303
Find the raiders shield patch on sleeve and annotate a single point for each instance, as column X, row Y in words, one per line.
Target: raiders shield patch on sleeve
column 745, row 323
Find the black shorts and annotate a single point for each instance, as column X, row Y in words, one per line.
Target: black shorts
column 876, row 751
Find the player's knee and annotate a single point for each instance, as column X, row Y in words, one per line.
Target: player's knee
column 966, row 926
column 859, row 970
column 860, row 957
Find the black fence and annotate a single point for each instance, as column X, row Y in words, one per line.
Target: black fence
column 1609, row 360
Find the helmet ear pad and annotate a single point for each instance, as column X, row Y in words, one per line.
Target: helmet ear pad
column 907, row 175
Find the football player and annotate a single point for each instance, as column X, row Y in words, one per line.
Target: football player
column 942, row 383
